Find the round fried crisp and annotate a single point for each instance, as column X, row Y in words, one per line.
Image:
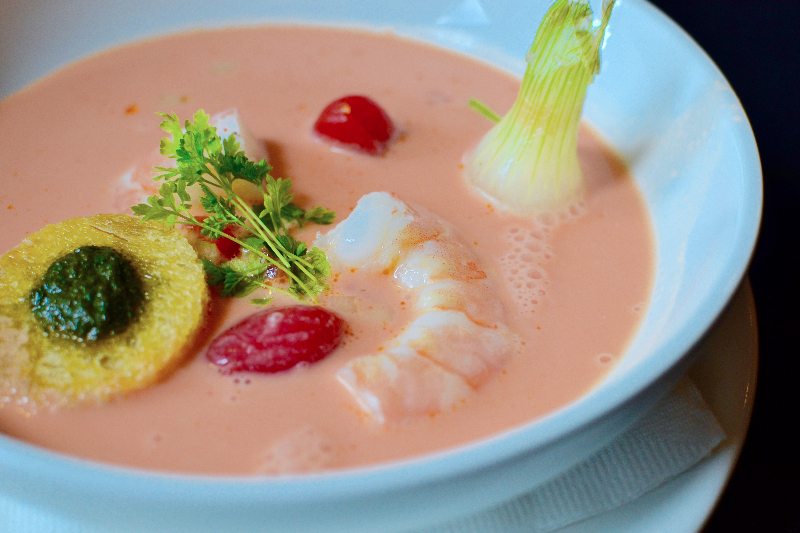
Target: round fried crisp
column 39, row 367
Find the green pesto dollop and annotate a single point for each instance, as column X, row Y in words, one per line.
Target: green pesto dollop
column 89, row 294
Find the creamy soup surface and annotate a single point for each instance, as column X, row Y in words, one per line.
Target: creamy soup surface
column 581, row 288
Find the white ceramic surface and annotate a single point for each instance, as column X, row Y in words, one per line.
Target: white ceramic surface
column 725, row 373
column 658, row 100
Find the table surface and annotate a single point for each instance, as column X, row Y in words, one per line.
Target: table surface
column 755, row 46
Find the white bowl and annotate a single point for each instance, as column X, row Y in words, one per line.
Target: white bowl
column 659, row 101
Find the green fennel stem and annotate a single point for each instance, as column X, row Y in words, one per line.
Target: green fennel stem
column 529, row 160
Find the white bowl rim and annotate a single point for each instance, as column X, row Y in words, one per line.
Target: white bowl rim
column 449, row 463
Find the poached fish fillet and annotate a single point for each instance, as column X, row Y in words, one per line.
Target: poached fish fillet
column 458, row 337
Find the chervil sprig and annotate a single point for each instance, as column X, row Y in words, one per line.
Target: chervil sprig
column 211, row 164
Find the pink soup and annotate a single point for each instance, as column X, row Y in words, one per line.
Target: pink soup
column 574, row 288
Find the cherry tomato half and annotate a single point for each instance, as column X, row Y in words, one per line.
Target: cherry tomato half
column 356, row 122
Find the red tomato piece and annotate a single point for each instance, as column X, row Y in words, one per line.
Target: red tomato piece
column 356, row 122
column 277, row 339
column 227, row 248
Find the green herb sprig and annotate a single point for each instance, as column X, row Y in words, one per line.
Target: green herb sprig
column 214, row 164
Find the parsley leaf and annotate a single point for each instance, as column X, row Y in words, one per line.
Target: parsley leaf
column 237, row 277
column 203, row 158
column 291, row 213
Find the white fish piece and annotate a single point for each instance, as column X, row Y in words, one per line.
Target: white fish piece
column 458, row 338
column 305, row 450
column 440, row 258
column 370, row 238
column 135, row 185
column 476, row 299
column 399, row 383
column 458, row 344
column 229, row 122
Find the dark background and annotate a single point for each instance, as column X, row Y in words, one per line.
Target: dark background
column 756, row 44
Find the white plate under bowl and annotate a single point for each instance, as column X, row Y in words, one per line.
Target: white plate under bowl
column 658, row 100
column 725, row 374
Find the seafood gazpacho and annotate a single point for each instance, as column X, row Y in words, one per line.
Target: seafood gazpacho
column 323, row 276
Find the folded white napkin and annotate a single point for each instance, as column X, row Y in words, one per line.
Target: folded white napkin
column 678, row 432
column 672, row 437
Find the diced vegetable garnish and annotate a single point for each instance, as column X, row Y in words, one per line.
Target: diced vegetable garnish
column 529, row 160
column 225, row 247
column 356, row 122
column 278, row 339
column 215, row 164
